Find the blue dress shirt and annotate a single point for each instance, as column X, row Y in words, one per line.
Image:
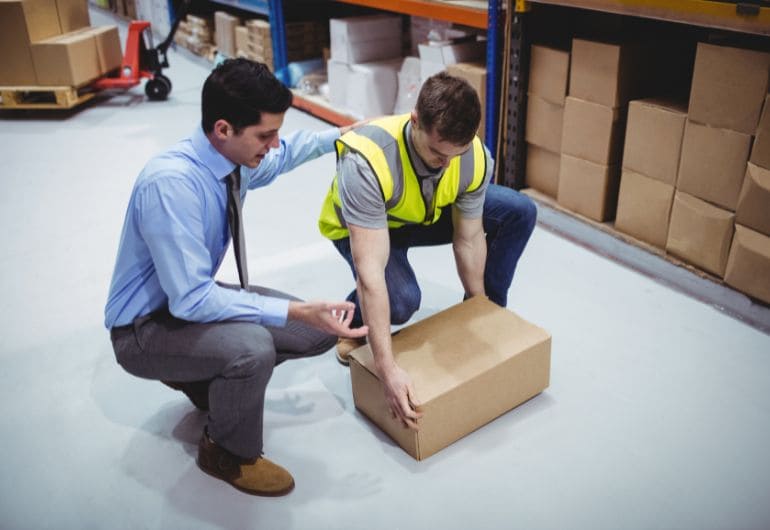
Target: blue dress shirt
column 175, row 233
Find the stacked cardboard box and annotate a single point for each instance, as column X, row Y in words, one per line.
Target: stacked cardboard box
column 196, row 34
column 50, row 43
column 364, row 64
column 748, row 265
column 651, row 156
column 728, row 90
column 603, row 78
column 257, row 44
column 548, row 81
column 224, row 32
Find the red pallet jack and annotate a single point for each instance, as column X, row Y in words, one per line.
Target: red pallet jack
column 143, row 61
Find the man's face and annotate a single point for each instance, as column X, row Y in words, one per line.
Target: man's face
column 434, row 151
column 251, row 144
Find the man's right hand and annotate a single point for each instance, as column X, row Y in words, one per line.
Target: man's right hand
column 332, row 317
column 400, row 396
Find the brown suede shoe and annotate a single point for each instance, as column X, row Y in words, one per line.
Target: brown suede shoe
column 345, row 346
column 255, row 476
column 196, row 391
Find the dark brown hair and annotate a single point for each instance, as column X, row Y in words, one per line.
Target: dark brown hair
column 449, row 106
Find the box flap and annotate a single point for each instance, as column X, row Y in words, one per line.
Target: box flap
column 484, row 335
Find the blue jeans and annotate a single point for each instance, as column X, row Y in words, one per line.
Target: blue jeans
column 509, row 218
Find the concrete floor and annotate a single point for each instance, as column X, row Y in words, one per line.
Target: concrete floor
column 657, row 415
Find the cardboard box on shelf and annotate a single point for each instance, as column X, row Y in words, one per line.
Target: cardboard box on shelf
column 73, row 15
column 365, row 39
column 713, row 163
column 654, row 135
column 469, row 364
column 544, row 123
column 543, row 170
column 241, row 38
column 107, row 47
column 548, row 73
column 760, row 152
column 224, row 32
column 700, row 233
column 729, row 86
column 476, row 75
column 66, row 60
column 21, row 23
column 588, row 188
column 364, row 90
column 748, row 267
column 753, row 209
column 644, row 208
column 592, row 131
column 437, row 56
column 610, row 74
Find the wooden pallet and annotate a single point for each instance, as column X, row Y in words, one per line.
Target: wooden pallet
column 43, row 97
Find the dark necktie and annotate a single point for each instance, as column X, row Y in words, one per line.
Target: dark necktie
column 235, row 220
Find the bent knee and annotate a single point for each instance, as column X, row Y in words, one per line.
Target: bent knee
column 403, row 307
column 252, row 354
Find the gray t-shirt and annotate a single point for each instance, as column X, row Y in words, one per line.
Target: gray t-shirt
column 362, row 201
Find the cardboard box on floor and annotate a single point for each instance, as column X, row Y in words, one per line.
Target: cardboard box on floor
column 748, row 268
column 654, row 135
column 588, row 188
column 760, row 152
column 107, row 47
column 469, row 364
column 729, row 86
column 543, row 170
column 548, row 73
column 644, row 208
column 21, row 23
column 700, row 233
column 754, row 202
column 713, row 163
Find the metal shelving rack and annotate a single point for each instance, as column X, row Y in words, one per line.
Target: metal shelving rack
column 743, row 17
column 461, row 14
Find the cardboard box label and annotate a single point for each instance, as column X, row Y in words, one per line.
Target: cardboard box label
column 469, row 364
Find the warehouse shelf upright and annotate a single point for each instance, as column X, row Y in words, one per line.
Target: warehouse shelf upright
column 486, row 17
column 751, row 18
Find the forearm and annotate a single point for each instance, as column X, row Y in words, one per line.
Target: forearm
column 375, row 306
column 471, row 258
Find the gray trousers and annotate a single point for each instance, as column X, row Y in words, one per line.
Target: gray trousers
column 236, row 357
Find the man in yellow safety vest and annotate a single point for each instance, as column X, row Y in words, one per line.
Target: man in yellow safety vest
column 414, row 180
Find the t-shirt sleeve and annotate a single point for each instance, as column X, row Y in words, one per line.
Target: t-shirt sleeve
column 360, row 193
column 471, row 204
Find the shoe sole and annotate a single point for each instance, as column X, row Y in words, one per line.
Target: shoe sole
column 279, row 493
column 341, row 360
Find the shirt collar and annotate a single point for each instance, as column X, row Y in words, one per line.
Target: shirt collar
column 420, row 168
column 219, row 165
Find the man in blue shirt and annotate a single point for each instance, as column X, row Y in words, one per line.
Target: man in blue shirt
column 170, row 320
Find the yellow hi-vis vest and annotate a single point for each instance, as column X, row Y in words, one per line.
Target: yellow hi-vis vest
column 382, row 143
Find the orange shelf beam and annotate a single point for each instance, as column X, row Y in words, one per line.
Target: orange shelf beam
column 321, row 111
column 465, row 15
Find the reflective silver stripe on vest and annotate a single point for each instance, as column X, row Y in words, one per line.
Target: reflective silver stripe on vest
column 466, row 170
column 382, row 138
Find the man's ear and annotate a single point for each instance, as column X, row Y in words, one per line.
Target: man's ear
column 414, row 119
column 222, row 129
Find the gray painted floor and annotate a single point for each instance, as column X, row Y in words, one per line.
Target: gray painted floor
column 658, row 414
